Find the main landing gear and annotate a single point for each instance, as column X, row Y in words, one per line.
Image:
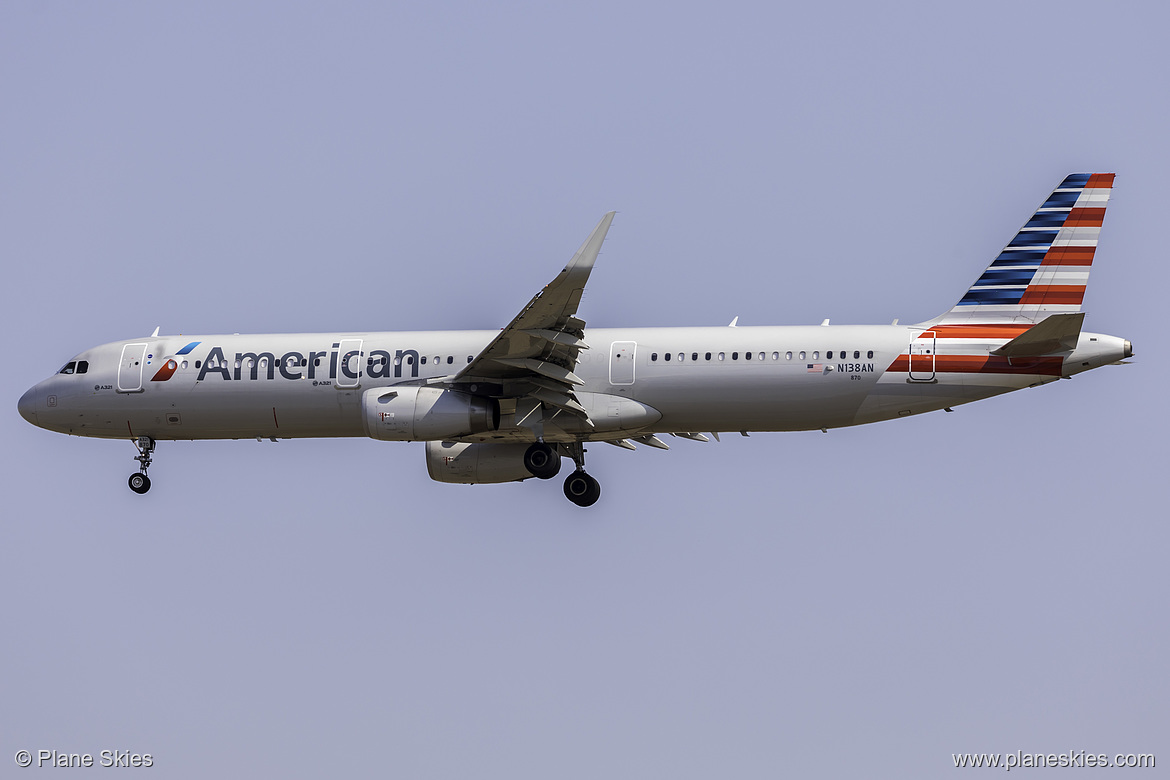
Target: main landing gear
column 543, row 461
column 580, row 488
column 140, row 483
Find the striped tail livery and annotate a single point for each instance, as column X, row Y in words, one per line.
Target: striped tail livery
column 1044, row 268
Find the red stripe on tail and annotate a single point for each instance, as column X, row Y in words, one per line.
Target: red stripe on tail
column 1069, row 255
column 1059, row 294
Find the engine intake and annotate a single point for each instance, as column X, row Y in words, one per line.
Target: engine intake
column 426, row 414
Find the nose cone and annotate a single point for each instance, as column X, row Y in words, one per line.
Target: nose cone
column 28, row 405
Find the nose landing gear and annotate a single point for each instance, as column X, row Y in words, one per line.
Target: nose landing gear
column 580, row 488
column 140, row 483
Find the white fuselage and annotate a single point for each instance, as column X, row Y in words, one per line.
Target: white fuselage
column 311, row 385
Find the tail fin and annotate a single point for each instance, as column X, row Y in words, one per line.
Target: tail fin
column 1044, row 269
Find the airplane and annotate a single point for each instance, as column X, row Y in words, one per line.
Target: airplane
column 509, row 405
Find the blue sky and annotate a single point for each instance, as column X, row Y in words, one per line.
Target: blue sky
column 866, row 602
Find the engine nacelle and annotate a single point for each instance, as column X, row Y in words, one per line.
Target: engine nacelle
column 426, row 413
column 470, row 464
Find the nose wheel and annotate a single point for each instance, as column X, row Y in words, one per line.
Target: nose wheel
column 580, row 488
column 140, row 483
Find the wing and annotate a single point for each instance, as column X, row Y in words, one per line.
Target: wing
column 536, row 354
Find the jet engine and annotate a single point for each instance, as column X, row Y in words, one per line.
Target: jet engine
column 469, row 464
column 426, row 413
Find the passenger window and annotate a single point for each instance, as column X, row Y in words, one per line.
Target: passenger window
column 68, row 368
column 869, row 354
column 721, row 355
column 184, row 364
column 747, row 356
column 653, row 357
column 694, row 356
column 469, row 358
column 856, row 354
column 197, row 362
column 735, row 356
column 817, row 355
column 450, row 359
column 788, row 356
column 775, row 355
column 423, row 360
column 666, row 356
column 760, row 356
column 802, row 356
column 708, row 356
column 829, row 355
column 681, row 356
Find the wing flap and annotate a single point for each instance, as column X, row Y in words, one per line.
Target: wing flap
column 543, row 368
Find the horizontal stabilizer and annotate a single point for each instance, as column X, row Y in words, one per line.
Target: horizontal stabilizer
column 1058, row 333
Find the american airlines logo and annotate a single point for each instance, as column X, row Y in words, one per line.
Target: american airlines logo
column 298, row 365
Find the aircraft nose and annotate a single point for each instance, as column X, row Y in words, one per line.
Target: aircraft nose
column 28, row 405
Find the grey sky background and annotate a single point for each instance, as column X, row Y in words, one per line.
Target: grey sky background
column 858, row 604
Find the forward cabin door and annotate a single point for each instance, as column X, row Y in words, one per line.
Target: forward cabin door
column 922, row 354
column 621, row 362
column 130, row 368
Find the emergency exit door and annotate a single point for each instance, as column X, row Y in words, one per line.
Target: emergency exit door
column 621, row 362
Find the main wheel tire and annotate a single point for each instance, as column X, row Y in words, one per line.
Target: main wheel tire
column 582, row 489
column 139, row 483
column 542, row 461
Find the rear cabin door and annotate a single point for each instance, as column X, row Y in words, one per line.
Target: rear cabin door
column 130, row 368
column 922, row 354
column 621, row 362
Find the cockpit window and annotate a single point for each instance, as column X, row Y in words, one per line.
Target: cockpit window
column 69, row 368
column 82, row 366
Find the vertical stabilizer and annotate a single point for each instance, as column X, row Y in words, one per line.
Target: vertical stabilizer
column 1044, row 269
